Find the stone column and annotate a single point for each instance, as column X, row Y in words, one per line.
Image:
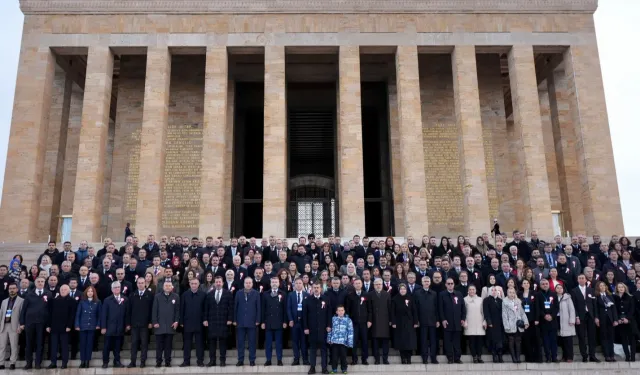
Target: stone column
column 228, row 165
column 155, row 118
column 528, row 127
column 88, row 196
column 570, row 184
column 27, row 145
column 212, row 192
column 473, row 175
column 275, row 171
column 54, row 158
column 600, row 196
column 350, row 167
column 394, row 141
column 410, row 131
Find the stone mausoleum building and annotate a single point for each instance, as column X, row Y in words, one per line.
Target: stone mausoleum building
column 286, row 117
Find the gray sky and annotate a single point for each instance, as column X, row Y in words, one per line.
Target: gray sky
column 618, row 35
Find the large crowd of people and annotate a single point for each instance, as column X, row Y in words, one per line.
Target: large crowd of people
column 352, row 298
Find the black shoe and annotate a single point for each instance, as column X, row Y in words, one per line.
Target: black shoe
column 200, row 364
column 83, row 364
column 385, row 361
column 424, row 361
column 556, row 360
column 585, row 359
column 267, row 363
column 211, row 364
column 295, row 362
column 354, row 361
column 306, row 363
column 51, row 366
column 64, row 366
column 105, row 365
column 185, row 364
column 12, row 367
column 131, row 365
column 365, row 363
column 325, row 371
column 38, row 366
column 312, row 370
column 280, row 363
column 252, row 363
column 435, row 361
column 480, row 359
column 27, row 366
column 223, row 362
column 475, row 359
column 376, row 362
column 142, row 364
column 168, row 364
column 500, row 360
column 117, row 365
column 158, row 364
column 240, row 363
column 494, row 358
column 403, row 361
column 1, row 367
column 458, row 361
column 450, row 361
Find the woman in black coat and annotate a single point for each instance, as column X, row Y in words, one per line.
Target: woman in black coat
column 492, row 310
column 625, row 305
column 404, row 321
column 531, row 336
column 606, row 319
column 61, row 320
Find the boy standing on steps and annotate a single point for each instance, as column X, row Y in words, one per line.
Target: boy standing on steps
column 340, row 338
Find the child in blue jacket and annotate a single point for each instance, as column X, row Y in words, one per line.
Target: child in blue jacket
column 340, row 338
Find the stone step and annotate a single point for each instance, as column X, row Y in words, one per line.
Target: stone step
column 465, row 368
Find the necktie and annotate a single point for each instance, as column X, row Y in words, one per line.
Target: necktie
column 39, row 293
column 73, row 294
column 141, row 293
column 83, row 279
column 299, row 298
column 217, row 296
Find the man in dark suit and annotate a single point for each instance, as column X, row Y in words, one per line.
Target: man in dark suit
column 247, row 318
column 139, row 313
column 62, row 317
column 503, row 277
column 359, row 309
column 274, row 319
column 294, row 314
column 427, row 306
column 584, row 301
column 452, row 314
column 191, row 321
column 316, row 319
column 113, row 320
column 33, row 318
column 218, row 315
column 380, row 301
column 336, row 295
column 548, row 308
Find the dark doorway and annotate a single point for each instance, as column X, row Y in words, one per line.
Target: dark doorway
column 311, row 143
column 378, row 204
column 248, row 138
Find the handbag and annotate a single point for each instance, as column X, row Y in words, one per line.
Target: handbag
column 520, row 323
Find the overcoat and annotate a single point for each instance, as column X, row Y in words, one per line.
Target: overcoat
column 380, row 307
column 475, row 316
column 404, row 316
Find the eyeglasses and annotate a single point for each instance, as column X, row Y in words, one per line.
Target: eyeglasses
column 449, row 283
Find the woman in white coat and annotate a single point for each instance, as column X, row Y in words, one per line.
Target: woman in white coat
column 475, row 325
column 567, row 320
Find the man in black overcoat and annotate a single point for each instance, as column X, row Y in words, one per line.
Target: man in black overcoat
column 33, row 318
column 139, row 313
column 316, row 319
column 358, row 308
column 191, row 321
column 113, row 320
column 452, row 314
column 380, row 321
column 583, row 298
column 427, row 305
column 218, row 315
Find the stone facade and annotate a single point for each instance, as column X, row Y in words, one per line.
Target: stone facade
column 478, row 128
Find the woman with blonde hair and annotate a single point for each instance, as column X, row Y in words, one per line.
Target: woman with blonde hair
column 475, row 325
column 45, row 264
column 515, row 322
column 626, row 328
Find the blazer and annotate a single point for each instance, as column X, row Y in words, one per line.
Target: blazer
column 88, row 315
column 15, row 314
column 113, row 316
column 606, row 314
column 293, row 315
column 63, row 313
column 35, row 309
column 316, row 317
column 584, row 305
column 358, row 307
column 139, row 308
column 274, row 313
column 452, row 309
column 192, row 310
column 217, row 314
column 247, row 311
column 427, row 305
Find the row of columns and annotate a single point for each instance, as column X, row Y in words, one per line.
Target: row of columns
column 24, row 171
